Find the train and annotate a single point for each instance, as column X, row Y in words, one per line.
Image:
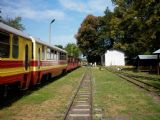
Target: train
column 26, row 60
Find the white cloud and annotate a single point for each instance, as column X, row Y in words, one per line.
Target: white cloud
column 97, row 5
column 89, row 6
column 73, row 5
column 26, row 11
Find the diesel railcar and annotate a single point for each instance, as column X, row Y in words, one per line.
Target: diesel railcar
column 25, row 60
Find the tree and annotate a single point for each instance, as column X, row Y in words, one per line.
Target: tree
column 59, row 46
column 133, row 27
column 0, row 16
column 104, row 33
column 72, row 50
column 137, row 25
column 87, row 35
column 93, row 37
column 16, row 22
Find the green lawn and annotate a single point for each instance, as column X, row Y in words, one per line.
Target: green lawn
column 47, row 103
column 123, row 100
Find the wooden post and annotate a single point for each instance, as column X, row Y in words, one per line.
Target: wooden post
column 138, row 60
column 158, row 65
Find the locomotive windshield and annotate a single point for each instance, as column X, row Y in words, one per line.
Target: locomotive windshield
column 4, row 45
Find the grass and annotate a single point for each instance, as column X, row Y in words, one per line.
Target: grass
column 46, row 103
column 151, row 79
column 132, row 71
column 120, row 99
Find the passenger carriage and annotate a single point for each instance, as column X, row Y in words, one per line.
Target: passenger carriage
column 15, row 56
column 24, row 60
column 73, row 63
column 48, row 61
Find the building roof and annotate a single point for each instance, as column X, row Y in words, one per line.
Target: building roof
column 157, row 51
column 114, row 50
column 149, row 57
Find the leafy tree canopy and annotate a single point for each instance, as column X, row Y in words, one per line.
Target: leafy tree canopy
column 72, row 50
column 60, row 46
column 137, row 26
column 93, row 37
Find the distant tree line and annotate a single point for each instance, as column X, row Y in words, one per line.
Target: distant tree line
column 133, row 27
column 72, row 49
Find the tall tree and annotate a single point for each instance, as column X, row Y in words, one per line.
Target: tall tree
column 92, row 37
column 73, row 50
column 87, row 34
column 137, row 26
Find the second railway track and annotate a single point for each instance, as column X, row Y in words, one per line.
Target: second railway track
column 81, row 104
column 146, row 86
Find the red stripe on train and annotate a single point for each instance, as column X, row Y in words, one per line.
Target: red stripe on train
column 10, row 64
column 12, row 79
column 14, row 64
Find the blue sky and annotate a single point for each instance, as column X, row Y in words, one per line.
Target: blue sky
column 68, row 14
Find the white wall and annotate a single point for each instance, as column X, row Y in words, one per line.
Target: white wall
column 114, row 58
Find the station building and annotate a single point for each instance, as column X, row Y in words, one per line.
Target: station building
column 113, row 58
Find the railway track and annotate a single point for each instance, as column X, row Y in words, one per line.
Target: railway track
column 133, row 79
column 80, row 107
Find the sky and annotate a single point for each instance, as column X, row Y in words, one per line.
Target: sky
column 68, row 14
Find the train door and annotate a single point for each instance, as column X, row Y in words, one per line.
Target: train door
column 26, row 79
column 39, row 58
column 38, row 65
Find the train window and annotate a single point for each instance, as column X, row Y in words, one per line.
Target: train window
column 15, row 46
column 4, row 45
column 60, row 56
column 55, row 55
column 64, row 56
column 48, row 53
column 52, row 54
column 43, row 53
column 32, row 51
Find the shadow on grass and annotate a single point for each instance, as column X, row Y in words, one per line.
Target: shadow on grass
column 16, row 94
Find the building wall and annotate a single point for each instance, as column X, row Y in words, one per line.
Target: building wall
column 114, row 58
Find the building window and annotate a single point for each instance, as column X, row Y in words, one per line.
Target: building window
column 15, row 46
column 4, row 45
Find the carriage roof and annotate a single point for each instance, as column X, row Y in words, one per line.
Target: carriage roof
column 44, row 43
column 13, row 30
column 22, row 34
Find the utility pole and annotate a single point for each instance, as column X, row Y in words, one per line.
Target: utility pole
column 50, row 30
